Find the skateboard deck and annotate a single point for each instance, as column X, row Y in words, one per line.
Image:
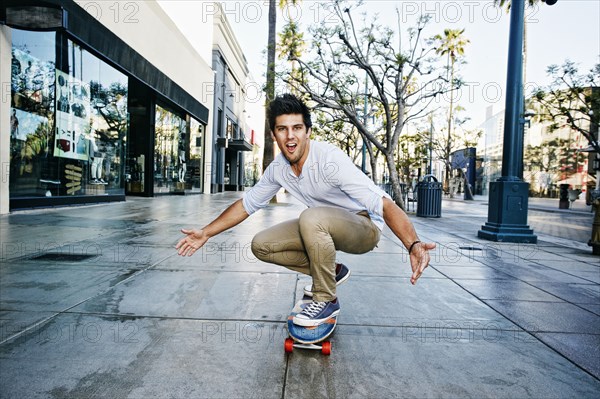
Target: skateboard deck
column 308, row 337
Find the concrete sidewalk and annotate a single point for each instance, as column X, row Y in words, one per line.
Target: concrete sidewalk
column 94, row 302
column 541, row 204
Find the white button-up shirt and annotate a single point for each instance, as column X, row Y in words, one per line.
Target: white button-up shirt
column 328, row 178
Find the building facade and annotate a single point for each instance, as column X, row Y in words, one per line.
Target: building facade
column 109, row 99
column 232, row 83
column 551, row 155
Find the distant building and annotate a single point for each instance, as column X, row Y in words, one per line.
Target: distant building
column 551, row 154
column 231, row 131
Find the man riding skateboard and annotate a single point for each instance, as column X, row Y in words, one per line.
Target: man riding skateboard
column 346, row 212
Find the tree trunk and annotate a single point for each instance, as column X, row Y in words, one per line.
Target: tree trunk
column 391, row 163
column 269, row 151
column 449, row 144
column 372, row 162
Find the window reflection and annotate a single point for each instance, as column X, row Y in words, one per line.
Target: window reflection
column 170, row 162
column 196, row 148
column 32, row 114
column 177, row 153
column 68, row 126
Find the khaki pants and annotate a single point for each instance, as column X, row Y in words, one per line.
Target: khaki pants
column 308, row 244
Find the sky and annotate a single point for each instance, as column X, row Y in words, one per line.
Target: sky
column 567, row 30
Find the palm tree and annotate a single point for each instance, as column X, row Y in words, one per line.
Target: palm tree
column 291, row 46
column 453, row 45
column 269, row 153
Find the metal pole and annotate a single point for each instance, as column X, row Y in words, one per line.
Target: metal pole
column 514, row 94
column 429, row 168
column 509, row 195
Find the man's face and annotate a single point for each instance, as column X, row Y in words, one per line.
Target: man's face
column 292, row 137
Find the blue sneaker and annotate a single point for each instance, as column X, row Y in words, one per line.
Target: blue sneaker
column 340, row 277
column 316, row 313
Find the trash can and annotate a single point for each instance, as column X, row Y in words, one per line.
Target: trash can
column 429, row 197
column 563, row 197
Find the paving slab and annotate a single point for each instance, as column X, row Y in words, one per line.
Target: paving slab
column 533, row 272
column 506, row 290
column 27, row 241
column 583, row 349
column 199, row 294
column 136, row 320
column 49, row 287
column 14, row 323
column 113, row 357
column 382, row 264
column 471, row 272
column 384, row 301
column 575, row 293
column 548, row 316
column 394, row 363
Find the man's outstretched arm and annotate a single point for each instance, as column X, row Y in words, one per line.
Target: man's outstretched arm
column 400, row 224
column 195, row 239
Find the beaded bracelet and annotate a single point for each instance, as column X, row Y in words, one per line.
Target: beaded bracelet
column 412, row 245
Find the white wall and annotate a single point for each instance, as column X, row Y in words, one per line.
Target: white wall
column 5, row 64
column 195, row 21
column 148, row 29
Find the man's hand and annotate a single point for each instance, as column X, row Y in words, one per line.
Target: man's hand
column 193, row 241
column 419, row 259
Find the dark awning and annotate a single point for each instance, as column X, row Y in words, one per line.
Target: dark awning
column 234, row 144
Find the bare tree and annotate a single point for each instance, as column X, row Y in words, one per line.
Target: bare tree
column 402, row 81
column 573, row 98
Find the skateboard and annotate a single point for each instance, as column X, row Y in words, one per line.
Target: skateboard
column 315, row 338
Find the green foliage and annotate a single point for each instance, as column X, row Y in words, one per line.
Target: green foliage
column 554, row 155
column 412, row 153
column 572, row 98
column 507, row 3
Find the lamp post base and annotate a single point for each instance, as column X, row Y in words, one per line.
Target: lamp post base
column 507, row 213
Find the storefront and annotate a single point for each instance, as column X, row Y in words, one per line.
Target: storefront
column 90, row 119
column 68, row 123
column 178, row 148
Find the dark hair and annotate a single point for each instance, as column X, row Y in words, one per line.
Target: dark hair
column 287, row 104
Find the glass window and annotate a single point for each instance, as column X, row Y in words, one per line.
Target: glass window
column 32, row 114
column 232, row 130
column 195, row 158
column 178, row 153
column 68, row 127
column 170, row 155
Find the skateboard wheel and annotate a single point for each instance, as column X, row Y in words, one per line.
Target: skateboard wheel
column 326, row 348
column 289, row 345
